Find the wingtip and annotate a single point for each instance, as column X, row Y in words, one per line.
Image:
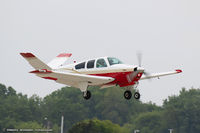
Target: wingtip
column 27, row 55
column 179, row 71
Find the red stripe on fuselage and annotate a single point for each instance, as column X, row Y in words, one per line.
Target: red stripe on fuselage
column 50, row 78
column 120, row 78
column 45, row 71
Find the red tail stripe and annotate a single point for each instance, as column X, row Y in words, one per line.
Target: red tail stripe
column 27, row 55
column 64, row 55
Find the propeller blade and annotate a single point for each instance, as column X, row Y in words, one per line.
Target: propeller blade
column 147, row 74
column 139, row 57
column 134, row 74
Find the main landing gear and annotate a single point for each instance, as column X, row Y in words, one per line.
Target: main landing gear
column 128, row 95
column 87, row 95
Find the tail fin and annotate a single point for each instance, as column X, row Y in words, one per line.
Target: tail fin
column 59, row 60
column 35, row 62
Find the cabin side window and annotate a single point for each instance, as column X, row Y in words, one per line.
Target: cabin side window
column 80, row 65
column 101, row 63
column 90, row 64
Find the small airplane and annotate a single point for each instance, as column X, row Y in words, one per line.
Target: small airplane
column 104, row 72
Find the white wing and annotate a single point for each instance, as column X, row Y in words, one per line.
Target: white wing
column 81, row 81
column 154, row 75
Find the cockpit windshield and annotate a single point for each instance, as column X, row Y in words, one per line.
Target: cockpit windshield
column 113, row 61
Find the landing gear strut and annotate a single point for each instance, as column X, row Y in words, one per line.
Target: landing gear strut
column 87, row 95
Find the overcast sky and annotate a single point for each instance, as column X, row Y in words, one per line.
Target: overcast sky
column 166, row 31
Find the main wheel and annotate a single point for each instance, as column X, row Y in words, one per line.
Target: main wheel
column 137, row 95
column 87, row 95
column 127, row 95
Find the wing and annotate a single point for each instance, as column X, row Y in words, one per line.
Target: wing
column 81, row 81
column 154, row 75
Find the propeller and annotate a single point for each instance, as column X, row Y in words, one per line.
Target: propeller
column 139, row 57
column 137, row 70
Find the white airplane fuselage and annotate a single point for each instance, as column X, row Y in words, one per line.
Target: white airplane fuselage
column 120, row 72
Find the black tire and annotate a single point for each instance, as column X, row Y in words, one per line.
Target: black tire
column 137, row 95
column 127, row 95
column 88, row 95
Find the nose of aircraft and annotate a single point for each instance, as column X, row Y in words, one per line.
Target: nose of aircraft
column 139, row 69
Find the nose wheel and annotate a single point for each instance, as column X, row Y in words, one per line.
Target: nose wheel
column 87, row 95
column 137, row 95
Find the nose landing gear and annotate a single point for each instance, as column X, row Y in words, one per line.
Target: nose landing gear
column 137, row 95
column 128, row 93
